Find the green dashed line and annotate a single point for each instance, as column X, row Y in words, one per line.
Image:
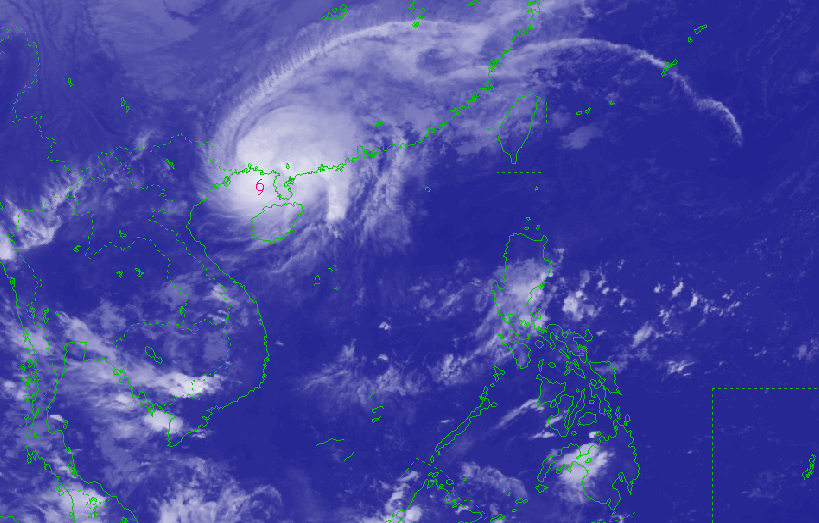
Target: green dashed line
column 360, row 149
column 712, row 425
column 32, row 454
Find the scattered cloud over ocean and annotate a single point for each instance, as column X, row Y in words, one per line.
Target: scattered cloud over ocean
column 200, row 491
column 494, row 478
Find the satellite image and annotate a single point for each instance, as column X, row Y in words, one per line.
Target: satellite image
column 409, row 261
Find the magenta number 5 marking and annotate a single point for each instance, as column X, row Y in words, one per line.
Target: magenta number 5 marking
column 257, row 187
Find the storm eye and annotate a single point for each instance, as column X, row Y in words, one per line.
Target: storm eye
column 433, row 61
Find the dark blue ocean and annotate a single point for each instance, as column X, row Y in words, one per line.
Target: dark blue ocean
column 377, row 262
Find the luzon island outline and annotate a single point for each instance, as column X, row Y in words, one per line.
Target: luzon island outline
column 560, row 389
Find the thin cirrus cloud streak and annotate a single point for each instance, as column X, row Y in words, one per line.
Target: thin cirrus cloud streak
column 291, row 120
column 702, row 104
column 344, row 383
column 263, row 139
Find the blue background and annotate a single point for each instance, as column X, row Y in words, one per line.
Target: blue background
column 705, row 177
